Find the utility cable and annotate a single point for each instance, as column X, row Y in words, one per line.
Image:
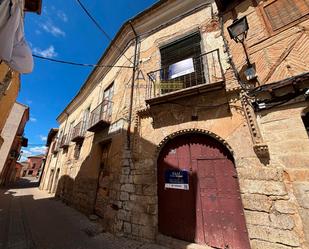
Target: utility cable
column 76, row 63
column 101, row 29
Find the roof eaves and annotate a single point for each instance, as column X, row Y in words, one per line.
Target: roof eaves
column 107, row 50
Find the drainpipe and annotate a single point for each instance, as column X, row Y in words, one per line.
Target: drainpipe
column 132, row 86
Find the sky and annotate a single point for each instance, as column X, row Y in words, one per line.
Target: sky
column 63, row 31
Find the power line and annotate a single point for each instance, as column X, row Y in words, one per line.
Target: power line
column 101, row 29
column 76, row 63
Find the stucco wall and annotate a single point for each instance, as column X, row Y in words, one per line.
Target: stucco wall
column 9, row 132
column 7, row 101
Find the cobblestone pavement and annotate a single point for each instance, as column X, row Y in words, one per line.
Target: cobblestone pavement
column 32, row 219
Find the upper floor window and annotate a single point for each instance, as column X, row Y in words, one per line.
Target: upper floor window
column 181, row 64
column 53, row 146
column 283, row 12
column 187, row 47
column 86, row 117
column 77, row 150
column 107, row 100
column 70, row 132
column 60, row 137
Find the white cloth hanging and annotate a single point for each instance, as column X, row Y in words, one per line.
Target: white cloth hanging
column 14, row 49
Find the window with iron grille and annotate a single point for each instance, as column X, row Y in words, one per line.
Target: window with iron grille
column 86, row 118
column 181, row 63
column 107, row 100
column 53, row 146
column 283, row 12
column 70, row 132
column 77, row 150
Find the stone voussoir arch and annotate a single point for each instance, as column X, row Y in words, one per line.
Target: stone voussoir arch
column 196, row 131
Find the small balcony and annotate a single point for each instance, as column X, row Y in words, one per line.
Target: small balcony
column 79, row 131
column 55, row 148
column 100, row 117
column 64, row 143
column 185, row 78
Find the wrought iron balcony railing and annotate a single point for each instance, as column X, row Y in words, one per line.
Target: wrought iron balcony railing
column 65, row 141
column 56, row 147
column 79, row 131
column 100, row 117
column 189, row 73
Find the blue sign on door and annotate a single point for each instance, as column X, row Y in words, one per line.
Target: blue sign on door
column 177, row 179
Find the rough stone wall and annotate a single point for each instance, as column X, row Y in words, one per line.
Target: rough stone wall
column 288, row 143
column 137, row 217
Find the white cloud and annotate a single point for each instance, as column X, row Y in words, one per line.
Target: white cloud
column 43, row 138
column 32, row 152
column 49, row 27
column 48, row 52
column 38, row 150
column 32, row 119
column 22, row 159
column 61, row 15
column 25, row 154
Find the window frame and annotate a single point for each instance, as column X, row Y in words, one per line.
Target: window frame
column 110, row 89
column 267, row 21
column 77, row 150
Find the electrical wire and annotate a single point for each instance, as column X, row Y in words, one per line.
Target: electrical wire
column 76, row 63
column 101, row 29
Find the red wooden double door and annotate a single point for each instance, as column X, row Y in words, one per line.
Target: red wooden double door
column 209, row 212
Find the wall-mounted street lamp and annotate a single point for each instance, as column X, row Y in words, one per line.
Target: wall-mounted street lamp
column 238, row 31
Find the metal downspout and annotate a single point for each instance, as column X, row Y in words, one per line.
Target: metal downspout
column 132, row 87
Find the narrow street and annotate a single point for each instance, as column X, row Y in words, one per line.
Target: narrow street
column 33, row 219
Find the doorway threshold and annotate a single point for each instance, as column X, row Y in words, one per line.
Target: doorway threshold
column 173, row 243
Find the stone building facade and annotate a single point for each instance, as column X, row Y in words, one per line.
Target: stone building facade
column 181, row 112
column 48, row 172
column 13, row 136
column 35, row 164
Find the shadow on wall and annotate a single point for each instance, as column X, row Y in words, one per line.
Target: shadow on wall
column 132, row 198
column 81, row 191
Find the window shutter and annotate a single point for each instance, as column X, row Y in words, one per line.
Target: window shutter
column 283, row 12
column 185, row 48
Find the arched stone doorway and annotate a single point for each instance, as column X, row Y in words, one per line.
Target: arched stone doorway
column 198, row 193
